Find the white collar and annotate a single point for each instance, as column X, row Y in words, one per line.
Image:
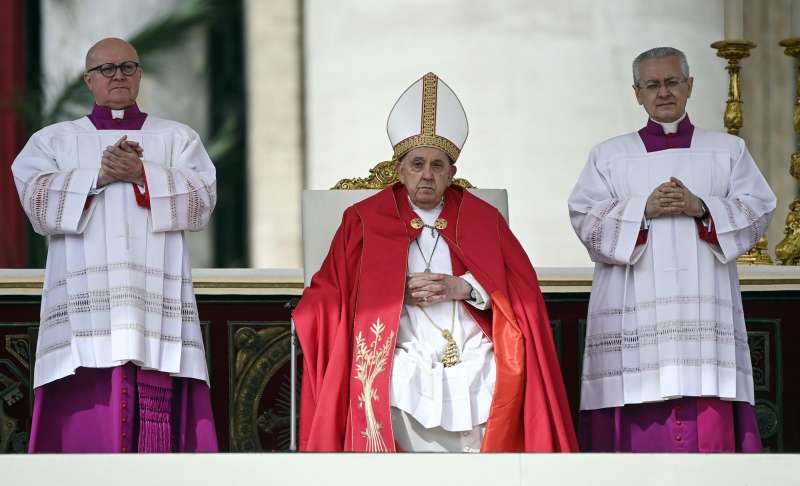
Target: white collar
column 427, row 215
column 671, row 127
column 117, row 114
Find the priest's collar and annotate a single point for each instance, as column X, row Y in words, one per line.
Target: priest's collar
column 106, row 113
column 681, row 125
column 104, row 118
column 656, row 137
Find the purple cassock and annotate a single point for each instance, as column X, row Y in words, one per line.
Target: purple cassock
column 124, row 408
column 691, row 424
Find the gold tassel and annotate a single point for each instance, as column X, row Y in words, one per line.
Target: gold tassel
column 450, row 356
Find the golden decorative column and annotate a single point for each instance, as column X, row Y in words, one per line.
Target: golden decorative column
column 788, row 250
column 734, row 51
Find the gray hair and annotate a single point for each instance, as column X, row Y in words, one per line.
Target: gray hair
column 659, row 52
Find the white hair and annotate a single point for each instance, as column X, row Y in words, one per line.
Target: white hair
column 659, row 52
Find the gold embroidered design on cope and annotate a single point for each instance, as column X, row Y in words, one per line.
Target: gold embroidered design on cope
column 370, row 362
column 440, row 224
column 417, row 223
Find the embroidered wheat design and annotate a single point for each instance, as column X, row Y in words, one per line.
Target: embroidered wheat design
column 370, row 362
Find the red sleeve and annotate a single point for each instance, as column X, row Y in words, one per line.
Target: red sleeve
column 324, row 319
column 642, row 238
column 707, row 235
column 547, row 418
column 88, row 202
column 142, row 198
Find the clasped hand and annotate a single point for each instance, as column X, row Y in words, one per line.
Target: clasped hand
column 424, row 289
column 122, row 162
column 673, row 198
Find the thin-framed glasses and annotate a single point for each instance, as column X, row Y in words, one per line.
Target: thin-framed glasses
column 652, row 87
column 109, row 69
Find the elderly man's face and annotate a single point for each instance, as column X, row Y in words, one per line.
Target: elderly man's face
column 426, row 172
column 662, row 89
column 120, row 90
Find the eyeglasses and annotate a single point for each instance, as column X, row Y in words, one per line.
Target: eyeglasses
column 653, row 87
column 109, row 69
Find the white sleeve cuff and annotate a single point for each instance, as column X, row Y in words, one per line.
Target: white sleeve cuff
column 483, row 301
column 94, row 189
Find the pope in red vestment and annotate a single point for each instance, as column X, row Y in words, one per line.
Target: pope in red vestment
column 348, row 318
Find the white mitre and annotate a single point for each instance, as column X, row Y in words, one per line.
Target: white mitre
column 428, row 114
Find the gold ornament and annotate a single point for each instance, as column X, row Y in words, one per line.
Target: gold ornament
column 451, row 356
column 788, row 250
column 734, row 51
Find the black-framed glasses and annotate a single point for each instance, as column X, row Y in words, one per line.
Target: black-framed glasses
column 109, row 69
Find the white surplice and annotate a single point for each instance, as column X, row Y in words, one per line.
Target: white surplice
column 118, row 282
column 443, row 400
column 665, row 318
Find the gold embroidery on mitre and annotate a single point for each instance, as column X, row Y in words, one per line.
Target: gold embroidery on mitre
column 423, row 140
column 427, row 136
column 370, row 362
column 430, row 83
column 440, row 224
column 417, row 223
